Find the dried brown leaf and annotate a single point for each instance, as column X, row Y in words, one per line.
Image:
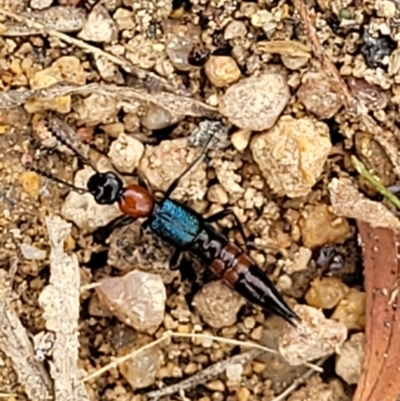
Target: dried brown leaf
column 380, row 378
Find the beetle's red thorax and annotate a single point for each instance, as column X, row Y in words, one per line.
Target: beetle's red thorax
column 136, row 201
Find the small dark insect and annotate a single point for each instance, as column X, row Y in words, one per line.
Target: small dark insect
column 375, row 49
column 329, row 259
column 186, row 230
column 198, row 56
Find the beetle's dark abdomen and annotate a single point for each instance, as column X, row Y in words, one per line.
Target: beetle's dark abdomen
column 175, row 223
column 237, row 269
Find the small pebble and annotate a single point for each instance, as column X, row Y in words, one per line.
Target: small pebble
column 319, row 226
column 292, row 154
column 259, row 367
column 234, row 372
column 124, row 19
column 136, row 299
column 217, row 194
column 30, row 183
column 326, row 293
column 141, row 371
column 40, row 4
column 351, row 310
column 257, row 333
column 190, row 369
column 318, row 95
column 222, row 70
column 125, row 153
column 156, row 118
column 31, row 252
column 243, row 394
column 284, row 283
column 162, row 163
column 113, row 129
column 216, row 385
column 255, row 103
column 249, row 322
column 235, row 29
column 385, row 8
column 314, row 337
column 99, row 27
column 218, row 305
column 350, row 358
column 240, row 139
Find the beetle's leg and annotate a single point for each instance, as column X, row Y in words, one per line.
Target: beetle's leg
column 143, row 227
column 175, row 260
column 143, row 183
column 197, row 160
column 225, row 213
column 102, row 233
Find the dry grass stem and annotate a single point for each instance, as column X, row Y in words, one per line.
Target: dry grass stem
column 289, row 390
column 206, row 374
column 167, row 335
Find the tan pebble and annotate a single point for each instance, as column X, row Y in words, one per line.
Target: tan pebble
column 113, row 129
column 190, row 369
column 235, row 29
column 257, row 333
column 243, row 394
column 385, row 8
column 259, row 367
column 249, row 322
column 326, row 293
column 292, row 154
column 351, row 310
column 222, row 70
column 169, row 322
column 30, row 183
column 216, row 385
column 184, row 328
column 240, row 139
column 284, row 282
column 217, row 194
column 350, row 358
column 320, row 227
column 69, row 243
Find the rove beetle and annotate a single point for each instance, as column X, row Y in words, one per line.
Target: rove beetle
column 186, row 230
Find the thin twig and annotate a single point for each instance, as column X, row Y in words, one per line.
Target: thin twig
column 205, row 375
column 169, row 334
column 298, row 381
column 350, row 101
column 362, row 170
column 124, row 358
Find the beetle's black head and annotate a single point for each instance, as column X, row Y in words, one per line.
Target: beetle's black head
column 106, row 188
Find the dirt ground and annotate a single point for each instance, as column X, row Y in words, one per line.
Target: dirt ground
column 301, row 98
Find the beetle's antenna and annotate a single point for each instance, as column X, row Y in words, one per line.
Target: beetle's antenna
column 56, row 126
column 56, row 179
